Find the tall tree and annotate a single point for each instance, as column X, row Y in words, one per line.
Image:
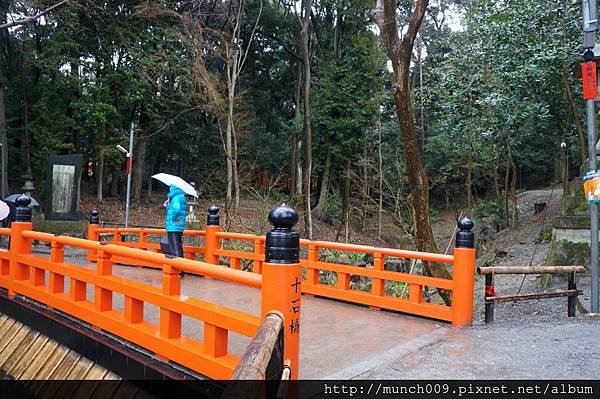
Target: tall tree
column 400, row 53
column 305, row 41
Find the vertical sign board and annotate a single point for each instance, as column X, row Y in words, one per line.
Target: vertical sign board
column 63, row 187
column 590, row 80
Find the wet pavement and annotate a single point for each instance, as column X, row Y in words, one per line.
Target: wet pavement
column 565, row 349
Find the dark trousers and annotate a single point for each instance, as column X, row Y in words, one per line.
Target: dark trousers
column 175, row 243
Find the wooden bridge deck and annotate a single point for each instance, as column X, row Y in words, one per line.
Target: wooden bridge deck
column 338, row 340
column 27, row 354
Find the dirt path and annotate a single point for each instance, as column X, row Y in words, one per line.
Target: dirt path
column 524, row 246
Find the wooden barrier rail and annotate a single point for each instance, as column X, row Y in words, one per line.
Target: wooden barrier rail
column 63, row 286
column 490, row 297
column 252, row 253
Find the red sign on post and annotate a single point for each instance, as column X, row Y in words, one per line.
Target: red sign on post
column 590, row 80
column 128, row 165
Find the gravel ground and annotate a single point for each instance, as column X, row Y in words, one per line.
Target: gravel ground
column 531, row 340
column 521, row 247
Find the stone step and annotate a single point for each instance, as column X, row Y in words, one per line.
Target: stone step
column 580, row 222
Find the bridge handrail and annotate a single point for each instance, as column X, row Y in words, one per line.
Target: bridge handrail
column 43, row 279
column 244, row 250
column 182, row 264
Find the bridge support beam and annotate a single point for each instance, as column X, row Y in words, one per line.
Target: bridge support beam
column 282, row 278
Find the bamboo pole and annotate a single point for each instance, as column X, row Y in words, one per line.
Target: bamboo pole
column 543, row 295
column 254, row 362
column 530, row 269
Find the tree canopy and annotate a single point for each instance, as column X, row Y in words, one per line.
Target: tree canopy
column 215, row 90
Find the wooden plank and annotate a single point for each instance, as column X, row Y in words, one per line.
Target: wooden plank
column 66, row 366
column 13, row 343
column 74, row 378
column 97, row 372
column 81, row 369
column 52, row 389
column 93, row 382
column 8, row 330
column 53, row 362
column 3, row 319
column 18, row 353
column 111, row 376
column 42, row 354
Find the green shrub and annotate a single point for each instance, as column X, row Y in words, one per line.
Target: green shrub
column 490, row 209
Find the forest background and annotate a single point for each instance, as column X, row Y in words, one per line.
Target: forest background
column 300, row 101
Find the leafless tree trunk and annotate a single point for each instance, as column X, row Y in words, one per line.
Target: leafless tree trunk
column 236, row 56
column 139, row 156
column 380, row 170
column 304, row 38
column 3, row 64
column 100, row 172
column 469, row 180
column 400, row 53
column 495, row 171
column 319, row 211
column 296, row 166
column 114, row 184
column 422, row 110
column 346, row 205
column 3, row 138
column 365, row 186
column 513, row 184
column 506, row 193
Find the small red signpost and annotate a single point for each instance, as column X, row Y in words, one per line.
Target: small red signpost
column 590, row 80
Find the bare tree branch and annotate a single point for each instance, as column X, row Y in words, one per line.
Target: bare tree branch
column 33, row 17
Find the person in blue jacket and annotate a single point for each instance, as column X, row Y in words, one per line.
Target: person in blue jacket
column 175, row 219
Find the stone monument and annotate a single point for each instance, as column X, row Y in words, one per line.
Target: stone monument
column 63, row 187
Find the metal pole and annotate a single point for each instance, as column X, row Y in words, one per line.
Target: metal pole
column 130, row 165
column 590, row 26
column 591, row 128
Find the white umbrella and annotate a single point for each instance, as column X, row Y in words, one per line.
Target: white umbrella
column 171, row 180
column 4, row 210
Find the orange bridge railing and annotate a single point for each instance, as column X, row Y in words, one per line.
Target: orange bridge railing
column 63, row 286
column 247, row 252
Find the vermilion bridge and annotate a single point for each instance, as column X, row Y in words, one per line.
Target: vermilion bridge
column 238, row 313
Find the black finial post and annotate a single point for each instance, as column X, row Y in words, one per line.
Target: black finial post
column 213, row 216
column 465, row 238
column 23, row 211
column 282, row 244
column 94, row 217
